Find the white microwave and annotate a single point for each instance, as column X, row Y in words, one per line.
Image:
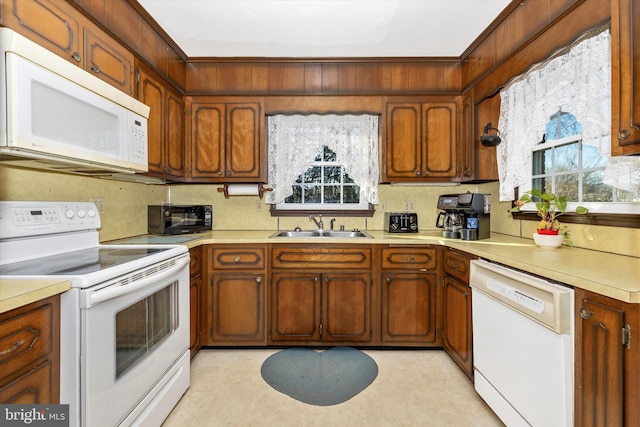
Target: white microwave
column 59, row 117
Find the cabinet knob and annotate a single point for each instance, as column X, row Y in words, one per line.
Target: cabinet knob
column 75, row 56
column 259, row 279
column 236, row 259
column 585, row 313
column 219, row 172
column 228, row 173
column 418, row 173
column 623, row 134
column 95, row 68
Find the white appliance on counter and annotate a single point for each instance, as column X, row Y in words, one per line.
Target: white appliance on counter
column 56, row 116
column 522, row 346
column 124, row 349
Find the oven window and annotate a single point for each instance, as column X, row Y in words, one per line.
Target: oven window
column 143, row 325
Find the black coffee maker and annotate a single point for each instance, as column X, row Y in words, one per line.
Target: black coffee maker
column 465, row 216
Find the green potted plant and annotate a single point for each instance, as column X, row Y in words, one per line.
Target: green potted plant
column 549, row 207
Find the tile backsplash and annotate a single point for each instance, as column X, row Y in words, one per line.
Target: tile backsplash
column 126, row 207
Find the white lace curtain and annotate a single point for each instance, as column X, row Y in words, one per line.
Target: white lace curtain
column 578, row 82
column 295, row 139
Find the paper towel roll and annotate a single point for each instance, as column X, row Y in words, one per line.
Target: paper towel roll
column 243, row 190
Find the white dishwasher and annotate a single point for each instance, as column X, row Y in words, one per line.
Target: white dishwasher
column 522, row 346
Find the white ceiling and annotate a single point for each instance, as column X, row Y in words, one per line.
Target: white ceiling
column 324, row 28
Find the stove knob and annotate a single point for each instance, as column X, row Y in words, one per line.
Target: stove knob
column 91, row 213
column 70, row 213
column 393, row 226
column 413, row 226
column 81, row 213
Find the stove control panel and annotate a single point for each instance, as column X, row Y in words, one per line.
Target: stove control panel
column 22, row 218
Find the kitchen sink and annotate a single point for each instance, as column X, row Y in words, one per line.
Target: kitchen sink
column 324, row 233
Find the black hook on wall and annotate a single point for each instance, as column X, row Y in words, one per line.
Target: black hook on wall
column 490, row 140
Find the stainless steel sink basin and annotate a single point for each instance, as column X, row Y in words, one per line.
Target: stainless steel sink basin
column 318, row 233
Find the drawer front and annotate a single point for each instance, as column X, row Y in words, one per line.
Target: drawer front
column 320, row 258
column 457, row 266
column 25, row 338
column 195, row 264
column 34, row 387
column 237, row 258
column 409, row 258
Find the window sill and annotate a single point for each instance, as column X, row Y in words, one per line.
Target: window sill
column 607, row 220
column 325, row 212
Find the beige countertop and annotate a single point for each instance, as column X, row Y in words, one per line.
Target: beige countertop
column 19, row 292
column 612, row 275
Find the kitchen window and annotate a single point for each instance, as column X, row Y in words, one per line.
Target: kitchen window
column 323, row 163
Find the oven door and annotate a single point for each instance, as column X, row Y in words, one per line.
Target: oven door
column 132, row 334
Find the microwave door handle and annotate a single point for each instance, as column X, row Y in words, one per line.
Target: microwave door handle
column 115, row 291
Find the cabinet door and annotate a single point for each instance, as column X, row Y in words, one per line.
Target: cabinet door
column 52, row 24
column 409, row 308
column 346, row 313
column 457, row 332
column 439, row 130
column 107, row 59
column 244, row 141
column 237, row 309
column 195, row 294
column 207, row 140
column 174, row 133
column 625, row 79
column 295, row 307
column 151, row 93
column 599, row 361
column 403, row 148
column 467, row 141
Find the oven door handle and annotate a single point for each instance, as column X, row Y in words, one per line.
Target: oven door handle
column 116, row 291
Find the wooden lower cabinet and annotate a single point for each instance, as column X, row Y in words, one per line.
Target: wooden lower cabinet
column 320, row 307
column 607, row 361
column 30, row 353
column 236, row 295
column 457, row 330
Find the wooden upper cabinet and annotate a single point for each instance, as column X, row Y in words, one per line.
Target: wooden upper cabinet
column 165, row 126
column 59, row 27
column 226, row 141
column 466, row 142
column 625, row 79
column 421, row 142
column 107, row 59
column 56, row 25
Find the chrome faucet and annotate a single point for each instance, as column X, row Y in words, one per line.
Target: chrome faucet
column 331, row 223
column 318, row 222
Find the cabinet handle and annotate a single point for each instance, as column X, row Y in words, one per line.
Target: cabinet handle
column 585, row 313
column 219, row 172
column 75, row 56
column 259, row 279
column 408, row 258
column 623, row 134
column 418, row 173
column 236, row 259
column 388, row 279
column 12, row 349
column 95, row 68
column 228, row 173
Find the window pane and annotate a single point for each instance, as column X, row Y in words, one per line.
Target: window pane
column 312, row 194
column 591, row 158
column 296, row 197
column 542, row 162
column 332, row 194
column 329, row 156
column 594, row 190
column 351, row 194
column 312, row 174
column 542, row 184
column 567, row 185
column 332, row 174
column 567, row 158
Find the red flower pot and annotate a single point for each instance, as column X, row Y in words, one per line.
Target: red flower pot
column 549, row 232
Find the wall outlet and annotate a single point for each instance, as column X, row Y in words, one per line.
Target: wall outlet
column 259, row 205
column 99, row 202
column 382, row 206
column 409, row 205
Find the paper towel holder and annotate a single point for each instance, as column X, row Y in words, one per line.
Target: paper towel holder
column 228, row 190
